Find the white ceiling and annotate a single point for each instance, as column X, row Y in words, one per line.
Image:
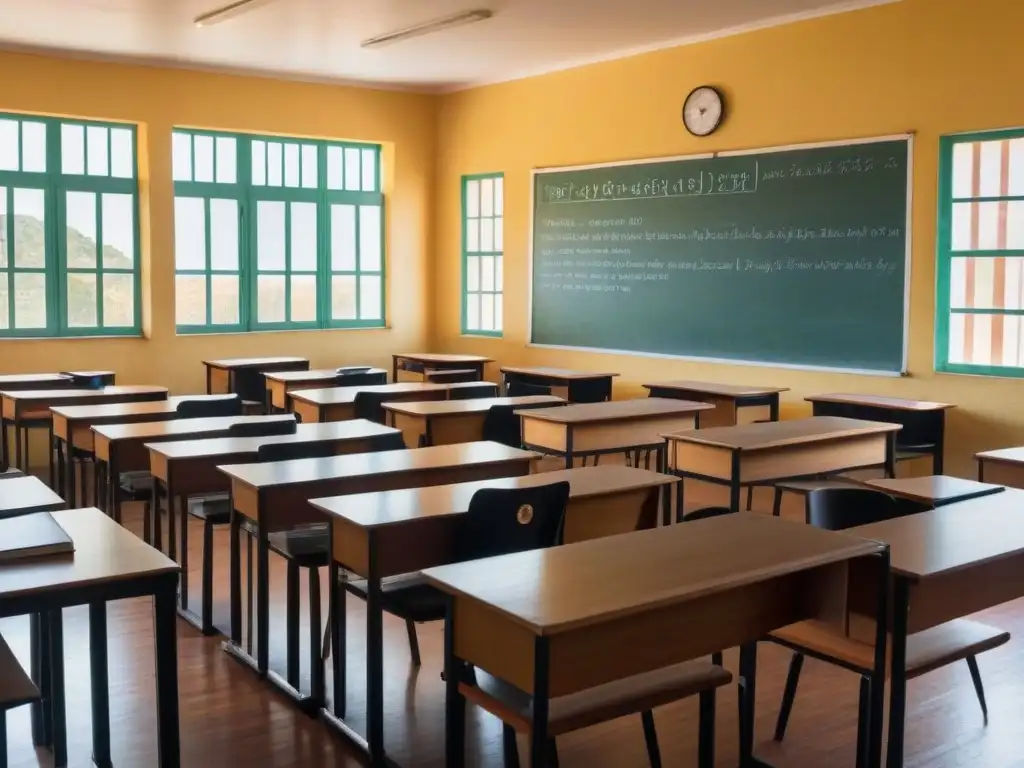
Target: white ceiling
column 319, row 39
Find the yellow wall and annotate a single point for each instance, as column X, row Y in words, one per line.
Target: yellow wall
column 159, row 99
column 928, row 66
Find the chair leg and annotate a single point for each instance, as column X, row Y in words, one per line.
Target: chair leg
column 552, row 754
column 863, row 721
column 292, row 610
column 414, row 643
column 147, row 524
column 249, row 616
column 706, row 732
column 509, row 748
column 972, row 664
column 207, row 598
column 651, row 738
column 788, row 695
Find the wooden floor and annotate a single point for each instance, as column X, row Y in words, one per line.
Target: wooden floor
column 229, row 719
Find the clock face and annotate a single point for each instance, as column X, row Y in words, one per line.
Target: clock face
column 702, row 112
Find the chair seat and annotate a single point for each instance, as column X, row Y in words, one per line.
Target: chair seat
column 908, row 454
column 137, row 485
column 601, row 703
column 215, row 510
column 804, row 487
column 407, row 596
column 926, row 651
column 307, row 547
column 16, row 687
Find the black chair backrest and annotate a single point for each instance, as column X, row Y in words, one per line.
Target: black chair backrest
column 839, row 508
column 517, row 388
column 501, row 425
column 360, row 379
column 392, row 442
column 263, row 428
column 202, row 409
column 87, row 382
column 501, row 521
column 370, row 406
column 289, row 451
column 473, row 390
column 706, row 513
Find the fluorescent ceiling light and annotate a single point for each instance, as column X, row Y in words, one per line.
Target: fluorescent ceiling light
column 428, row 27
column 229, row 11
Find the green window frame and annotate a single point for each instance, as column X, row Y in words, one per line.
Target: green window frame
column 277, row 233
column 69, row 228
column 980, row 277
column 483, row 248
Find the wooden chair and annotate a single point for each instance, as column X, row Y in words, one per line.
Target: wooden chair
column 16, row 690
column 840, row 508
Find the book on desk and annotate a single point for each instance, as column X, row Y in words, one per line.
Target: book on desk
column 31, row 536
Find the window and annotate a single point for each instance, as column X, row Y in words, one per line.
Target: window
column 276, row 233
column 482, row 248
column 980, row 296
column 68, row 228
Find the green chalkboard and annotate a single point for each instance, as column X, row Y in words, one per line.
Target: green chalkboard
column 790, row 257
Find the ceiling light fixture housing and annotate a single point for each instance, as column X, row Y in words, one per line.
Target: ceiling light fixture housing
column 228, row 11
column 429, row 27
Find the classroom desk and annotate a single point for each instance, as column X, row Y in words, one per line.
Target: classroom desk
column 728, row 399
column 769, row 452
column 243, row 376
column 377, row 535
column 445, row 422
column 66, row 380
column 553, row 622
column 1003, row 465
column 947, row 563
column 339, row 403
column 933, row 490
column 280, row 383
column 122, row 448
column 109, row 564
column 72, row 428
column 185, row 468
column 573, row 386
column 30, row 408
column 275, row 495
column 414, row 365
column 23, row 495
column 924, row 423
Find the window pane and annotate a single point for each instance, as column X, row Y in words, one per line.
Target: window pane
column 190, row 300
column 486, row 311
column 189, row 233
column 343, row 237
column 1017, row 166
column 497, row 312
column 5, row 298
column 486, row 235
column 82, row 304
column 352, row 177
column 343, row 297
column 72, row 149
column 486, row 197
column 181, row 156
column 270, row 298
column 987, row 226
column 291, row 165
column 991, row 168
column 486, row 273
column 369, row 170
column 227, row 150
column 270, row 237
column 309, row 174
column 3, row 232
column 203, row 162
column 223, row 235
column 335, row 180
column 121, row 160
column 369, row 298
column 472, row 199
column 118, row 301
column 259, row 163
column 499, row 196
column 225, row 300
column 29, row 230
column 80, row 218
column 96, row 143
column 473, row 235
column 473, row 312
column 118, row 231
column 9, row 145
column 473, row 273
column 33, row 147
column 303, row 253
column 303, row 298
column 497, row 273
column 369, row 238
column 963, row 169
column 499, row 234
column 29, row 300
column 274, row 164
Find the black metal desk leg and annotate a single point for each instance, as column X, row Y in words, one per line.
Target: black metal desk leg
column 17, row 447
column 747, row 693
column 940, row 443
column 62, row 481
column 100, row 685
column 877, row 704
column 114, row 471
column 262, row 601
column 773, row 408
column 166, row 629
column 49, row 455
column 66, row 460
column 898, row 674
column 57, row 710
column 339, row 639
column 454, row 703
column 539, row 747
column 183, row 511
column 235, row 576
column 679, row 499
column 39, row 641
column 4, row 456
column 374, row 661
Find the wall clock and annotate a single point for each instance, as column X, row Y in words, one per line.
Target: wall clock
column 703, row 110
